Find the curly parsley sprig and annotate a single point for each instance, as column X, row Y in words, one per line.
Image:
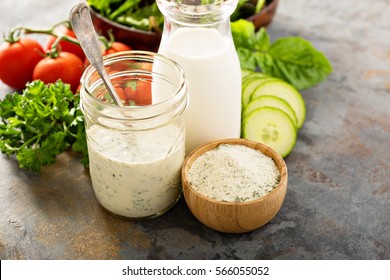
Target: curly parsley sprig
column 41, row 123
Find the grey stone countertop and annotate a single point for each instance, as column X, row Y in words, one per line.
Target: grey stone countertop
column 337, row 204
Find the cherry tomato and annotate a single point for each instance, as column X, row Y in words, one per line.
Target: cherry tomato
column 65, row 45
column 138, row 92
column 118, row 85
column 116, row 47
column 121, row 93
column 78, row 89
column 67, row 66
column 17, row 61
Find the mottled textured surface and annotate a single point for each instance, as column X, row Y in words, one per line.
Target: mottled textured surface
column 338, row 199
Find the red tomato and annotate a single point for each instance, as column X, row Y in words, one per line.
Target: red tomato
column 78, row 89
column 116, row 47
column 121, row 93
column 65, row 45
column 118, row 85
column 138, row 92
column 67, row 66
column 17, row 61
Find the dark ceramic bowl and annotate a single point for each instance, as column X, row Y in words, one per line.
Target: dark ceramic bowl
column 150, row 41
column 265, row 16
column 135, row 38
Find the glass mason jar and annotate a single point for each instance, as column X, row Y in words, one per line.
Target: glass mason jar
column 197, row 36
column 136, row 151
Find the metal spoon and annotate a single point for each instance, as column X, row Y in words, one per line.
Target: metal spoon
column 80, row 19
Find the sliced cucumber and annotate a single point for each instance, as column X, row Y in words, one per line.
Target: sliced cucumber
column 253, row 76
column 272, row 127
column 250, row 85
column 285, row 91
column 270, row 101
column 246, row 72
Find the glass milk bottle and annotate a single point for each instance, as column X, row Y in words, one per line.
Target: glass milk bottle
column 197, row 36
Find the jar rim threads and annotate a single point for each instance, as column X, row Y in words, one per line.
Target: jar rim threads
column 138, row 64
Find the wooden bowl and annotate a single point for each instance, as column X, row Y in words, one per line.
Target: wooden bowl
column 235, row 217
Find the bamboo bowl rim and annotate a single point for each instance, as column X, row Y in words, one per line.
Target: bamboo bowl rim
column 266, row 150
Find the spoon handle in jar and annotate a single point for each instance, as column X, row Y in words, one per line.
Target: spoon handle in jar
column 81, row 22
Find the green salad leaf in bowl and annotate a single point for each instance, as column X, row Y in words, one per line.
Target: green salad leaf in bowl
column 140, row 14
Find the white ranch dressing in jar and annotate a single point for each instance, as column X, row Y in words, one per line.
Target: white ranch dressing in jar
column 136, row 152
column 135, row 176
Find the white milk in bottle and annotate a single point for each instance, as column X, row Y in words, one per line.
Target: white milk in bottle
column 198, row 38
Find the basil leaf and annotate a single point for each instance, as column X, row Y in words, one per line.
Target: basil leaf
column 262, row 41
column 296, row 61
column 292, row 59
column 247, row 60
column 243, row 33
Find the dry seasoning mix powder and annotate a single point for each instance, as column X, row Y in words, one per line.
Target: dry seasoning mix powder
column 233, row 173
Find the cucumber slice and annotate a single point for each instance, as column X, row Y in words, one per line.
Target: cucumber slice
column 270, row 101
column 250, row 85
column 254, row 75
column 285, row 91
column 272, row 127
column 246, row 72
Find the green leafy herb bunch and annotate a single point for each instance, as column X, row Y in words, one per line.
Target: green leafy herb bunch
column 41, row 123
